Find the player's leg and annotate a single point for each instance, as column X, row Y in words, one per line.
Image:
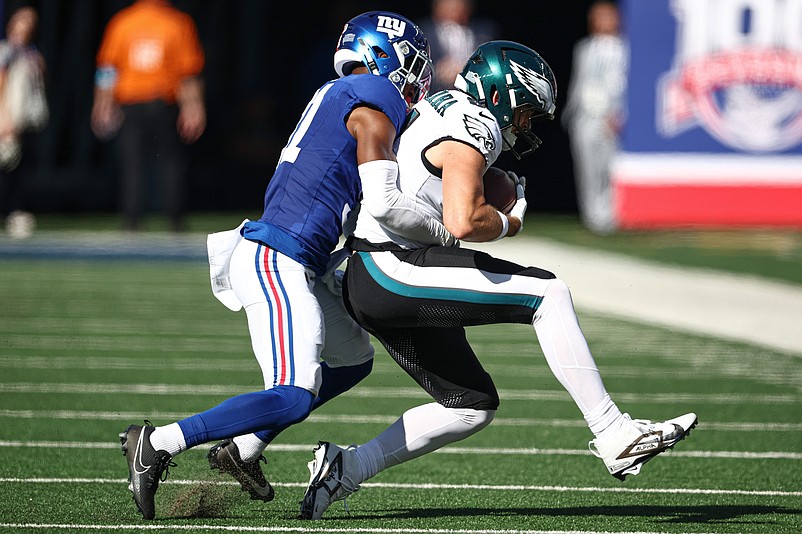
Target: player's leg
column 286, row 328
column 347, row 352
column 348, row 356
column 442, row 362
column 623, row 444
column 286, row 333
column 442, row 286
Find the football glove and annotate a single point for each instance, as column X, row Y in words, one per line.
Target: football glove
column 519, row 209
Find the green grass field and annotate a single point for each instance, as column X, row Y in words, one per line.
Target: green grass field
column 88, row 347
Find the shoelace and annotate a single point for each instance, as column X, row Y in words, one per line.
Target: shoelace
column 641, row 424
column 350, row 489
column 254, row 471
column 165, row 463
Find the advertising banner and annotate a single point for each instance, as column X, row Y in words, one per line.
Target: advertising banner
column 714, row 126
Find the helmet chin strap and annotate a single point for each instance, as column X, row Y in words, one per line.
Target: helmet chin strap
column 509, row 138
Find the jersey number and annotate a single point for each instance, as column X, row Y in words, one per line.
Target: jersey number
column 290, row 152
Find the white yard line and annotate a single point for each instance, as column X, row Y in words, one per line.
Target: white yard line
column 735, row 455
column 431, row 486
column 384, row 392
column 357, row 419
column 702, row 301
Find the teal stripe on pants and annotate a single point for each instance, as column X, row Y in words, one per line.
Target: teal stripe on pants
column 436, row 293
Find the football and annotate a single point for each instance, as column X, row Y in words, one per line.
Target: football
column 499, row 189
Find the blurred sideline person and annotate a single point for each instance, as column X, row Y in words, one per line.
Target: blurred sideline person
column 594, row 114
column 281, row 269
column 454, row 33
column 417, row 298
column 23, row 109
column 148, row 87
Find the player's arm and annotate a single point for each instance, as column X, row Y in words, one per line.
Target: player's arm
column 378, row 171
column 466, row 214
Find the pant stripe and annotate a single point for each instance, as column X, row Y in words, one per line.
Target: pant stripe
column 290, row 380
column 445, row 293
column 277, row 313
column 259, row 253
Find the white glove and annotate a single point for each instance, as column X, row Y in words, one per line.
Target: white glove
column 519, row 208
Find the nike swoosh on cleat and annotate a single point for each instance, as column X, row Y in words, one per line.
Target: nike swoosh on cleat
column 138, row 456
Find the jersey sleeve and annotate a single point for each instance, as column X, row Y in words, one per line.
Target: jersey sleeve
column 190, row 57
column 380, row 93
column 475, row 126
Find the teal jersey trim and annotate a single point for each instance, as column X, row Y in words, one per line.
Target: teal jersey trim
column 435, row 293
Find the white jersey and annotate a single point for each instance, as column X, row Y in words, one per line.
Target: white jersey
column 447, row 115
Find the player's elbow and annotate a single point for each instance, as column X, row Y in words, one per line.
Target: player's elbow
column 460, row 226
column 380, row 211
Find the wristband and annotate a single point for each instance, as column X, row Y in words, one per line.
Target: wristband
column 505, row 226
column 105, row 77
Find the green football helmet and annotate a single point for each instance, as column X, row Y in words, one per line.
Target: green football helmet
column 516, row 85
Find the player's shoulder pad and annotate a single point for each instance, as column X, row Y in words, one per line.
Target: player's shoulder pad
column 379, row 93
column 468, row 121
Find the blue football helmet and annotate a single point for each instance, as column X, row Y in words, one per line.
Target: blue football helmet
column 389, row 45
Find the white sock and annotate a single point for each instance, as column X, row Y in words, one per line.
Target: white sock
column 605, row 417
column 371, row 459
column 418, row 431
column 566, row 349
column 168, row 438
column 250, row 447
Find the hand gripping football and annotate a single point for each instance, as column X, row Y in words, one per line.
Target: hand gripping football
column 499, row 189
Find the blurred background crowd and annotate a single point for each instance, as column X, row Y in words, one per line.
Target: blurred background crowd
column 262, row 62
column 241, row 72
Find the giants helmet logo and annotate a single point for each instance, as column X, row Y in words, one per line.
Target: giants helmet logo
column 392, row 27
column 737, row 73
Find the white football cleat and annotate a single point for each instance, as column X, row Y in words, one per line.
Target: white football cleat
column 625, row 453
column 332, row 477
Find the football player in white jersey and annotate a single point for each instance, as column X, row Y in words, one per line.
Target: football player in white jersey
column 417, row 298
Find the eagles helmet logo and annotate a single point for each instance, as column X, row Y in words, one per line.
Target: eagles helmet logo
column 479, row 131
column 535, row 83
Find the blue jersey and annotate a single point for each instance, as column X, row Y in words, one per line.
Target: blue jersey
column 316, row 183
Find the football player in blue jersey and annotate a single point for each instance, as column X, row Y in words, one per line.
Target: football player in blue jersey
column 281, row 268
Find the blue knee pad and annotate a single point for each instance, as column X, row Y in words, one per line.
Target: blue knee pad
column 278, row 407
column 336, row 380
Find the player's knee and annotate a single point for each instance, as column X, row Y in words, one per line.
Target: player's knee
column 558, row 293
column 475, row 419
column 296, row 403
column 338, row 380
column 477, row 400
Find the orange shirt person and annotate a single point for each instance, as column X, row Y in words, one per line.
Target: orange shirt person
column 148, row 68
column 150, row 51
